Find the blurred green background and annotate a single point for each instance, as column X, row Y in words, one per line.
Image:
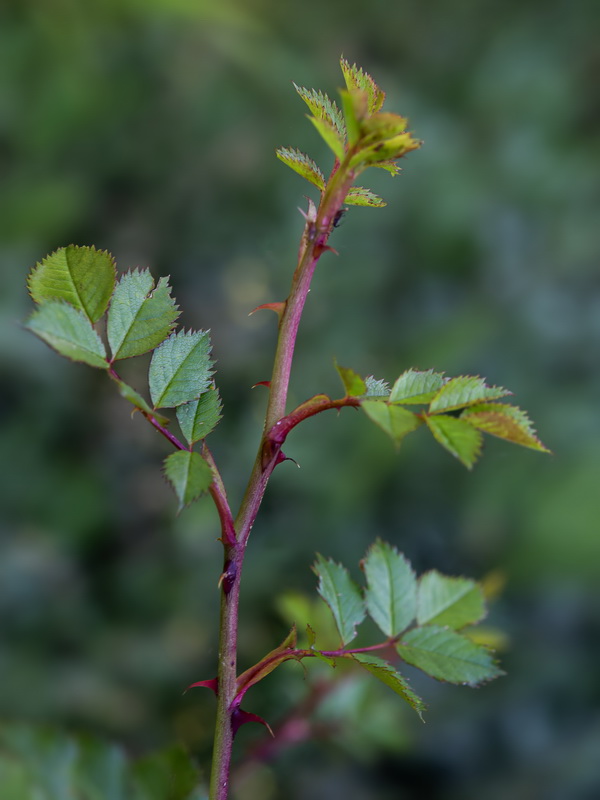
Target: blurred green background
column 149, row 128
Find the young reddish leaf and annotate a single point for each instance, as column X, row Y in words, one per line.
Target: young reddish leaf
column 464, row 391
column 303, row 165
column 322, row 107
column 81, row 276
column 383, row 126
column 446, row 601
column 505, row 421
column 448, row 656
column 457, row 436
column 198, row 418
column 267, row 664
column 358, row 80
column 342, row 596
column 397, row 422
column 68, row 331
column 354, row 385
column 414, row 387
column 181, row 369
column 141, row 315
column 391, row 594
column 189, row 475
column 387, row 674
column 358, row 196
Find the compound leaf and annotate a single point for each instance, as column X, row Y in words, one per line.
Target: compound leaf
column 464, row 391
column 447, row 601
column 81, row 276
column 189, row 475
column 354, row 385
column 397, row 422
column 303, row 165
column 414, row 387
column 391, row 594
column 505, row 421
column 140, row 316
column 342, row 596
column 68, row 331
column 199, row 417
column 387, row 674
column 457, row 436
column 447, row 656
column 358, row 196
column 180, row 370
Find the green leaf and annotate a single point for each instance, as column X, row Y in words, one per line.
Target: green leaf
column 358, row 80
column 129, row 393
column 180, row 370
column 384, row 151
column 506, row 422
column 446, row 601
column 457, row 436
column 391, row 594
column 397, row 422
column 353, row 383
column 355, row 106
column 464, row 391
column 69, row 332
column 358, row 196
column 101, row 771
column 448, row 656
column 342, row 596
column 303, row 165
column 331, row 136
column 377, row 388
column 140, row 316
column 389, row 166
column 200, row 417
column 82, row 276
column 189, row 475
column 322, row 107
column 414, row 387
column 387, row 674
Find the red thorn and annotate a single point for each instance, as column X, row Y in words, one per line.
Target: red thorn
column 262, row 383
column 281, row 457
column 213, row 684
column 278, row 308
column 240, row 717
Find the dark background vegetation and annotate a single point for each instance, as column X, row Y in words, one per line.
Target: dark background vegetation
column 149, row 128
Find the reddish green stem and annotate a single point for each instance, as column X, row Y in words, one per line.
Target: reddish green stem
column 316, row 234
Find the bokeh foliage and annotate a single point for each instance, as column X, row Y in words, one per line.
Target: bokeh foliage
column 149, row 129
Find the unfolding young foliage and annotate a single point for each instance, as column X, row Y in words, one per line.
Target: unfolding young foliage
column 87, row 313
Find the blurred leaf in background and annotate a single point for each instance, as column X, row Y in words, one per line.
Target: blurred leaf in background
column 149, row 129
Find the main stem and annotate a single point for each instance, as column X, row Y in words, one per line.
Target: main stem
column 314, row 243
